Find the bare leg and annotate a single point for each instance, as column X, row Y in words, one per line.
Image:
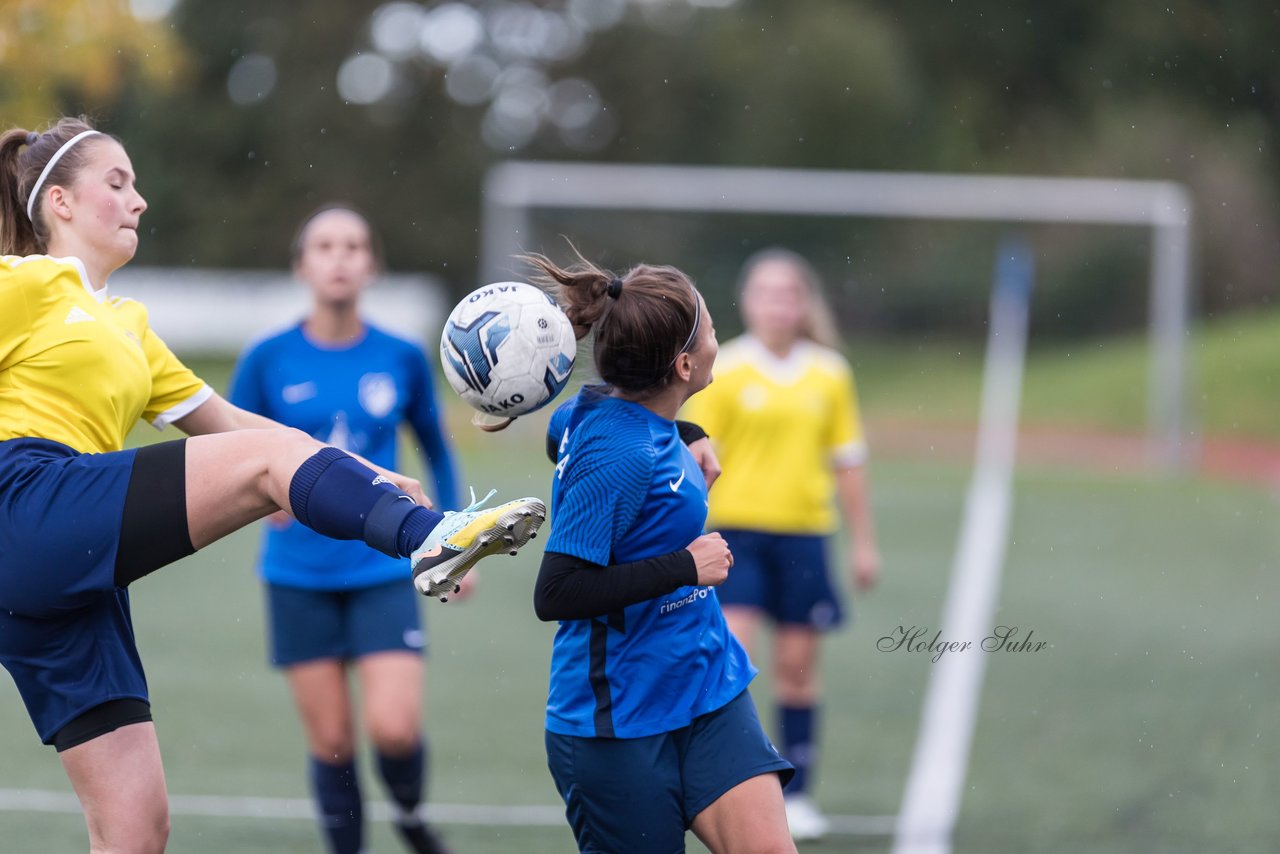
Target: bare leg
column 392, row 711
column 747, row 819
column 320, row 693
column 795, row 675
column 744, row 623
column 392, row 688
column 120, row 782
column 797, row 689
column 238, row 477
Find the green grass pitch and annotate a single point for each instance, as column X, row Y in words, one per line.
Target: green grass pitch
column 1146, row 724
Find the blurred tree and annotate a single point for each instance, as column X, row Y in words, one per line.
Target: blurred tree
column 400, row 107
column 57, row 52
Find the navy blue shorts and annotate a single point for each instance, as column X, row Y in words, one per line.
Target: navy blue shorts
column 305, row 625
column 640, row 795
column 74, row 530
column 784, row 575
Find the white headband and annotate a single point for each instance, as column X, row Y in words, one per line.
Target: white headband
column 48, row 167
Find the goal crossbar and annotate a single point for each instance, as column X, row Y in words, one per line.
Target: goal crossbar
column 514, row 189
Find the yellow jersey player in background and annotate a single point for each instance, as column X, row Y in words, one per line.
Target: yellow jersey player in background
column 81, row 517
column 782, row 415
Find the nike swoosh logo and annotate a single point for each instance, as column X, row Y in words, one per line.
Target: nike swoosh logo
column 298, row 392
column 675, row 484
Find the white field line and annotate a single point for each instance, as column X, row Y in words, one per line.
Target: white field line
column 935, row 785
column 220, row 806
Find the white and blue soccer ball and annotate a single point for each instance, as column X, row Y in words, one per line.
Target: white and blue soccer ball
column 507, row 349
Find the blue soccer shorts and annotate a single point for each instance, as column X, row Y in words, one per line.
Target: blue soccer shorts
column 75, row 530
column 306, row 625
column 787, row 576
column 640, row 795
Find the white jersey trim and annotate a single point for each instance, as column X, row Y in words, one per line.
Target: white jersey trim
column 100, row 294
column 850, row 455
column 783, row 370
column 173, row 413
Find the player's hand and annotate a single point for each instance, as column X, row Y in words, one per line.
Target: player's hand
column 410, row 487
column 706, row 458
column 712, row 557
column 865, row 565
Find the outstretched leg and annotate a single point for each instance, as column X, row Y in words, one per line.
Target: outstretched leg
column 237, row 477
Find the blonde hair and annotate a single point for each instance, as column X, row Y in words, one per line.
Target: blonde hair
column 819, row 326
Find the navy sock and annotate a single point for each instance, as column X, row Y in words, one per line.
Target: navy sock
column 799, row 725
column 335, row 495
column 337, row 794
column 413, row 532
column 404, row 776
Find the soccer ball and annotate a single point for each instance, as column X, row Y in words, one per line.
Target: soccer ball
column 507, row 349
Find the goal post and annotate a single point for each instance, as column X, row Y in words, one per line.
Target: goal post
column 515, row 190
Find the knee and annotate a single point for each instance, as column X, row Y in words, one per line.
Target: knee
column 147, row 832
column 333, row 746
column 159, row 832
column 398, row 736
column 796, row 682
column 287, row 439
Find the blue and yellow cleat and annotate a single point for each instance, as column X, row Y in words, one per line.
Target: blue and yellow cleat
column 465, row 536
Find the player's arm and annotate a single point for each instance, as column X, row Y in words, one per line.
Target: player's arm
column 219, row 415
column 851, row 484
column 570, row 588
column 603, row 480
column 425, row 419
column 849, row 455
column 700, row 446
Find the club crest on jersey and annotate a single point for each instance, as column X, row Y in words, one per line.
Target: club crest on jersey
column 377, row 394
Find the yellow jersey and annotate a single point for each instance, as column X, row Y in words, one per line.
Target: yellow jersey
column 781, row 427
column 78, row 366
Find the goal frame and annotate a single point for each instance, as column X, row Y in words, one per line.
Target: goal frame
column 514, row 190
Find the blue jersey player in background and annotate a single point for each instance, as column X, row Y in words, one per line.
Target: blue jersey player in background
column 332, row 603
column 650, row 730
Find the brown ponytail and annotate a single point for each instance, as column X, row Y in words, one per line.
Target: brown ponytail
column 642, row 320
column 23, row 156
column 16, row 234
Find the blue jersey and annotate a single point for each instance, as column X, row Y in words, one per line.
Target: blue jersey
column 353, row 397
column 626, row 488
